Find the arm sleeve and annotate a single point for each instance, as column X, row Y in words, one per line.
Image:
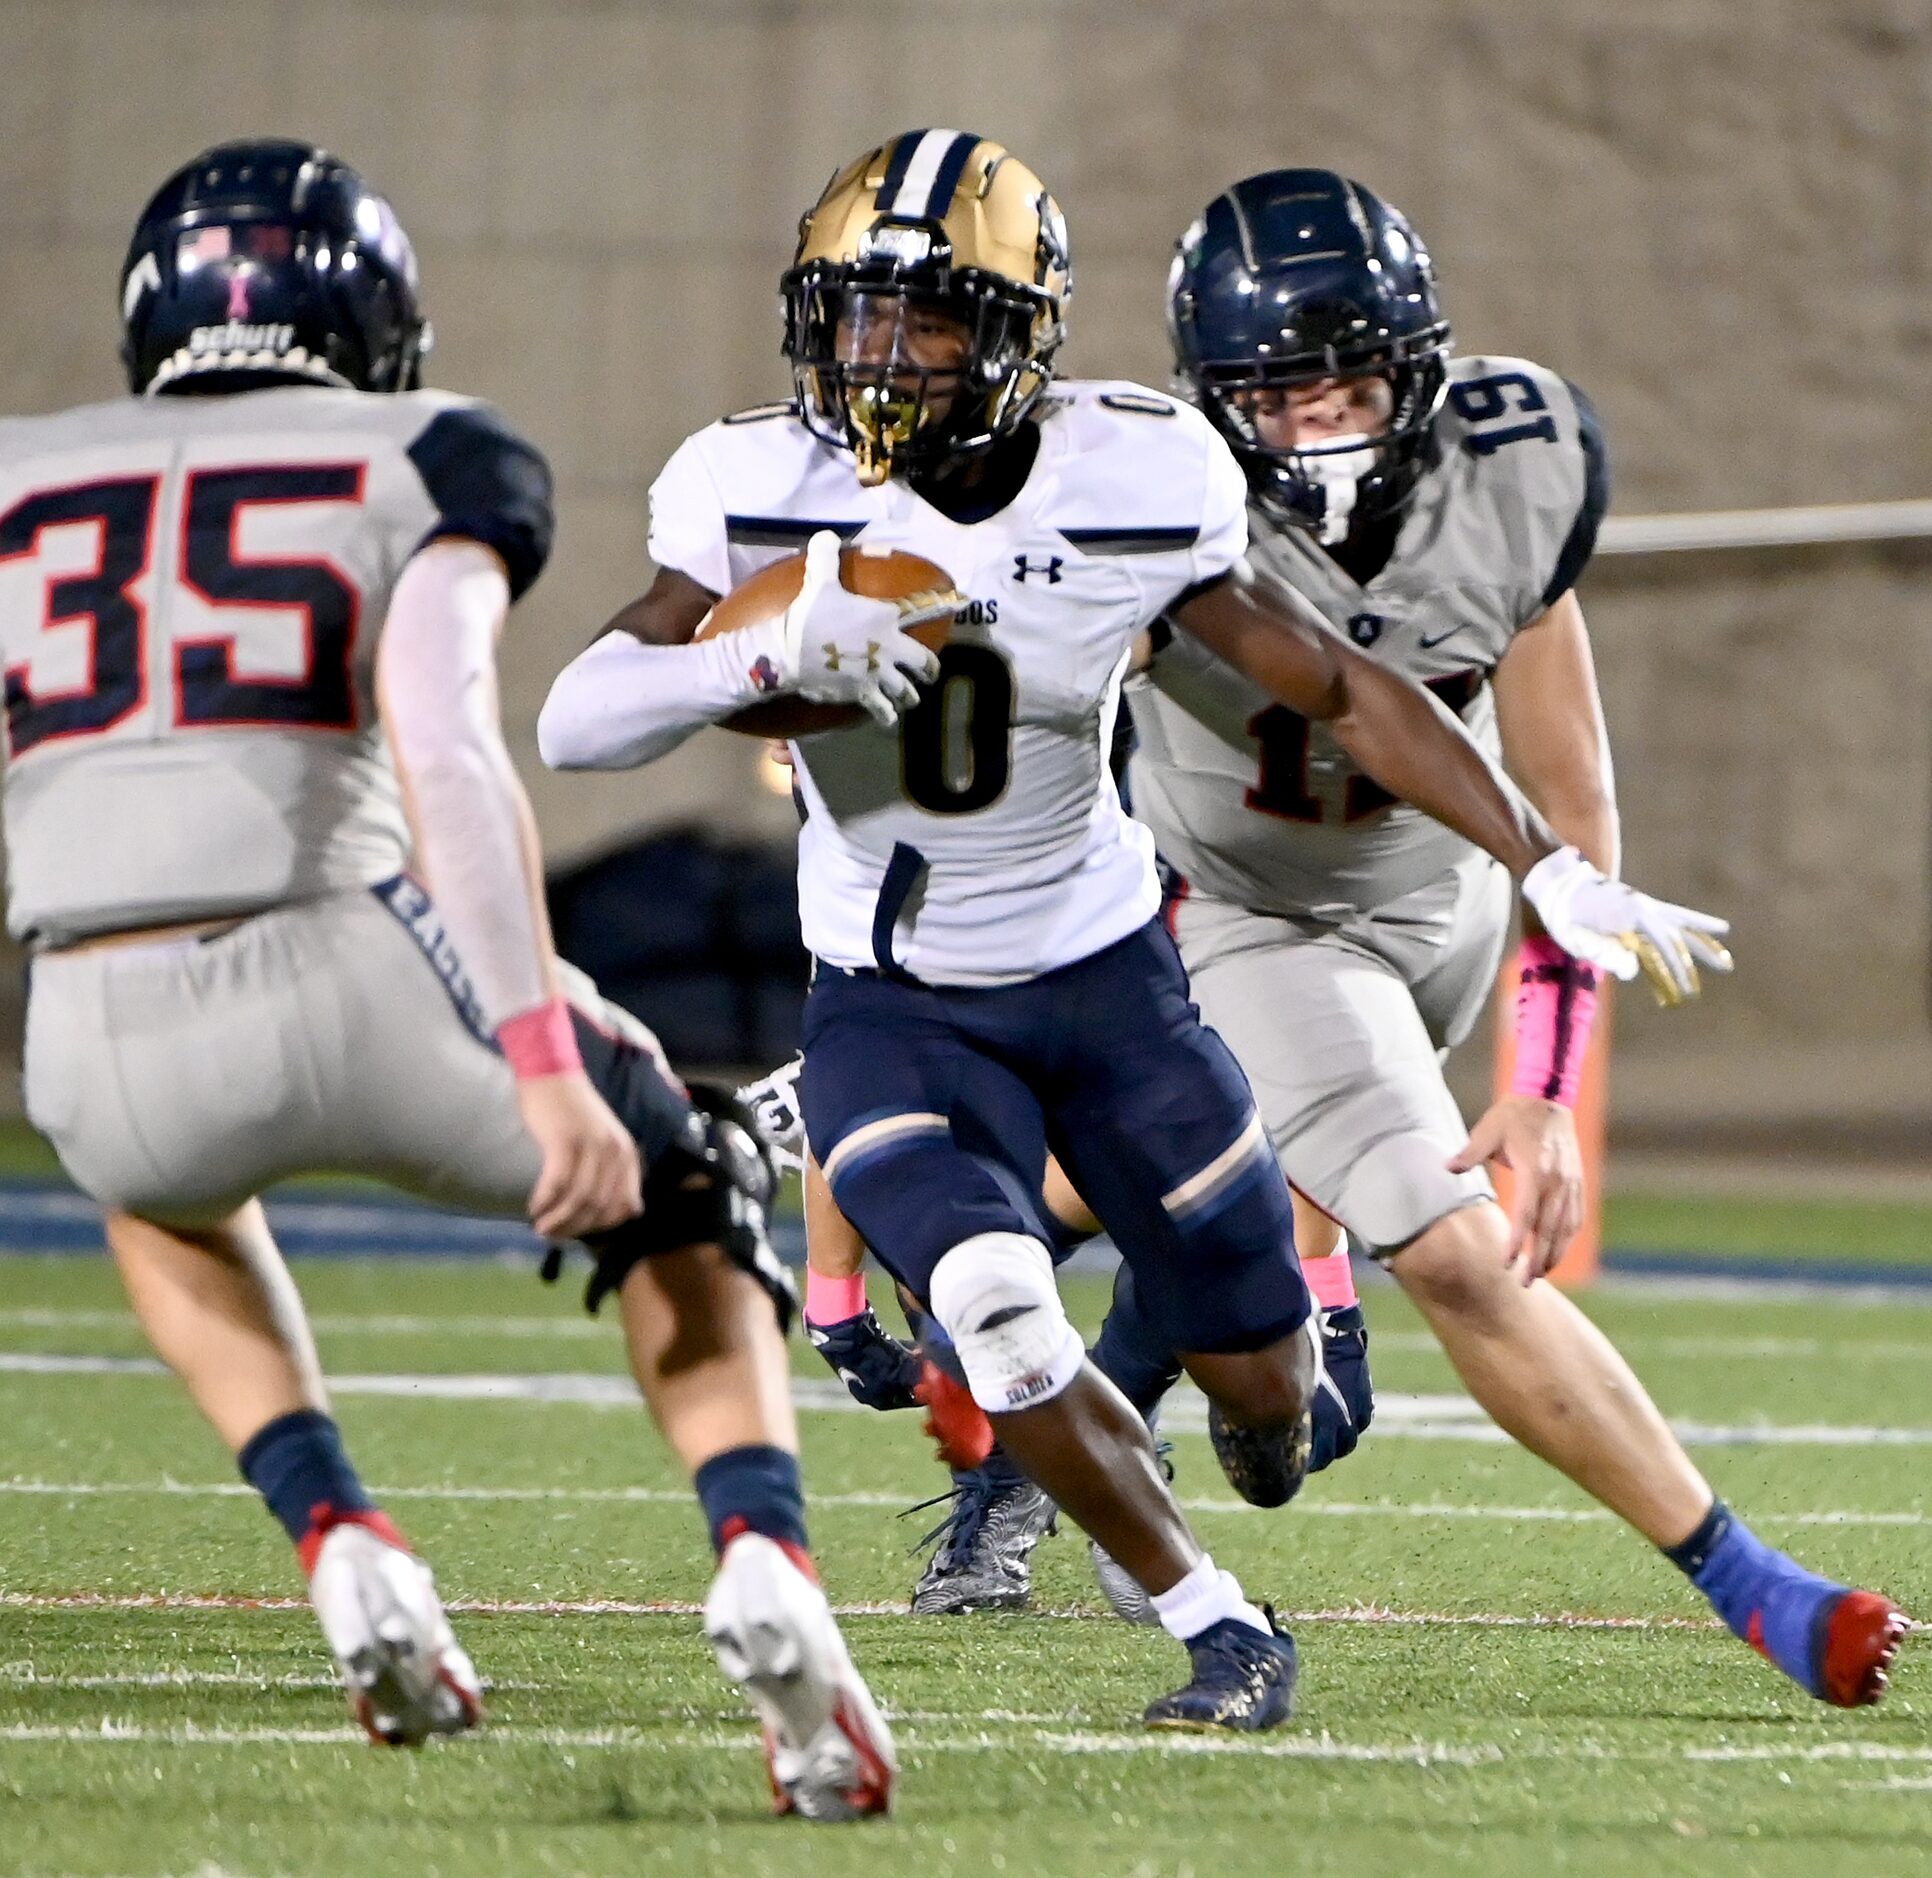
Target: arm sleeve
column 474, row 836
column 1581, row 541
column 688, row 520
column 488, row 485
column 622, row 703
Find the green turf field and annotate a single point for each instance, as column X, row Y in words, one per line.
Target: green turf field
column 1437, row 1730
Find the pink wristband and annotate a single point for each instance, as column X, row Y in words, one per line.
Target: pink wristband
column 833, row 1300
column 540, row 1041
column 1556, row 1003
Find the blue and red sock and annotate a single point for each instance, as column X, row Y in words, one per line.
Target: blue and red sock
column 298, row 1465
column 756, row 1488
column 1778, row 1607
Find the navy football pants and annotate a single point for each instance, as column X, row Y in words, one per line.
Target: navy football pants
column 931, row 1110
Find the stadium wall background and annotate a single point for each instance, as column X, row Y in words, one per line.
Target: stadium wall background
column 1715, row 215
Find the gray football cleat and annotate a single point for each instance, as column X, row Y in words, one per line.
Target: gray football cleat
column 1120, row 1587
column 983, row 1560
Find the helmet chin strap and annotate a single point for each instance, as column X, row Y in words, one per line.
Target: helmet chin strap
column 1337, row 469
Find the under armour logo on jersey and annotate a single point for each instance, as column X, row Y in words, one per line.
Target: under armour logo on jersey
column 1050, row 568
column 1365, row 628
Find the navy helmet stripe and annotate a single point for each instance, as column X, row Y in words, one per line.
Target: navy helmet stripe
column 951, row 168
column 924, row 173
column 897, row 165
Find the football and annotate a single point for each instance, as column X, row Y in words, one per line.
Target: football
column 877, row 573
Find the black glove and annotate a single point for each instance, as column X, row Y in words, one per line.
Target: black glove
column 878, row 1369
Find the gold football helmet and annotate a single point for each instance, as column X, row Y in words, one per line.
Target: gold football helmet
column 925, row 302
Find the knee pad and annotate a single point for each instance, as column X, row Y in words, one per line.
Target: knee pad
column 994, row 1296
column 712, row 1187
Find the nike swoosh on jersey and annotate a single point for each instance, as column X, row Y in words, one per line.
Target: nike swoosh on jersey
column 1429, row 645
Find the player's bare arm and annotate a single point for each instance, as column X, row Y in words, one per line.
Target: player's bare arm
column 1391, row 726
column 1557, row 746
column 668, row 613
column 1403, row 738
column 476, row 841
column 1554, row 737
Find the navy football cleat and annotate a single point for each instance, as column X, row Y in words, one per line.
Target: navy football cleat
column 1244, row 1679
column 1344, row 1397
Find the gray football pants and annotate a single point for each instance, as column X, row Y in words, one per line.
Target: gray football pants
column 178, row 1079
column 1341, row 1025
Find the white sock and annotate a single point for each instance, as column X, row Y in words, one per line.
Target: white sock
column 1206, row 1596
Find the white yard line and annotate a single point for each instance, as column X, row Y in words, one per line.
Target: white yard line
column 1431, row 1417
column 381, row 1324
column 669, row 1496
column 1729, row 1349
column 109, row 1732
column 27, row 1675
column 620, row 1607
column 584, row 1329
column 916, row 1741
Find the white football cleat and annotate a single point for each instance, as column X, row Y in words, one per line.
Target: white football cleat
column 830, row 1752
column 405, row 1675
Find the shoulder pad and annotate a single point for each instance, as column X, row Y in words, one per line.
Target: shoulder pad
column 488, row 484
column 759, row 413
column 1142, row 402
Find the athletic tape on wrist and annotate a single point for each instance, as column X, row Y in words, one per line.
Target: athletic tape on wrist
column 541, row 1041
column 1556, row 1004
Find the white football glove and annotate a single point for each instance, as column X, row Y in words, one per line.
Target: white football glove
column 775, row 1107
column 1621, row 931
column 837, row 647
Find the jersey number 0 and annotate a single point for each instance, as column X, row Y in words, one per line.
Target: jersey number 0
column 957, row 741
column 208, row 690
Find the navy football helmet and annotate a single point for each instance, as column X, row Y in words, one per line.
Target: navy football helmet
column 1295, row 276
column 270, row 261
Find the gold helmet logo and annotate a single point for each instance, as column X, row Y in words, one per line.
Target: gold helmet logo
column 952, row 225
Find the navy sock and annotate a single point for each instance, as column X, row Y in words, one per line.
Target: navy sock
column 296, row 1463
column 997, row 1470
column 1691, row 1555
column 752, row 1489
column 1131, row 1353
column 934, row 1344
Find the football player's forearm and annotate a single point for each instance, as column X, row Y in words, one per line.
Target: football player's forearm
column 833, row 1248
column 622, row 703
column 475, row 840
column 1402, row 737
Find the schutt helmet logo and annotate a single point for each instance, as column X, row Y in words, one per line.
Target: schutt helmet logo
column 1050, row 568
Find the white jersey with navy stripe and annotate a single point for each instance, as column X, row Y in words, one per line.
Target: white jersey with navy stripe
column 191, row 594
column 1257, row 806
column 982, row 842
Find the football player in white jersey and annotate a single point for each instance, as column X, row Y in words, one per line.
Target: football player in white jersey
column 1437, row 512
column 249, row 615
column 992, row 976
